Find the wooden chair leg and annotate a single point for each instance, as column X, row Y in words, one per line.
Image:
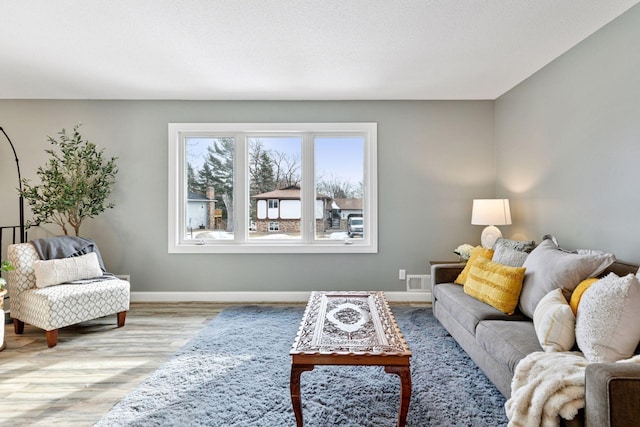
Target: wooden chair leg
column 18, row 326
column 121, row 317
column 52, row 338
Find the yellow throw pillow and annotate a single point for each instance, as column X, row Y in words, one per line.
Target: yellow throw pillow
column 495, row 284
column 477, row 252
column 578, row 291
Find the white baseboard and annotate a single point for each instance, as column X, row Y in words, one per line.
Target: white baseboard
column 256, row 297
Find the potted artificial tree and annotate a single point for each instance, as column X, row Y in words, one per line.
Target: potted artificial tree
column 75, row 183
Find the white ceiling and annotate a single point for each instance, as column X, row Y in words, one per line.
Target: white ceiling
column 280, row 50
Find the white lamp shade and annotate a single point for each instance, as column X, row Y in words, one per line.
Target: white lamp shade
column 491, row 212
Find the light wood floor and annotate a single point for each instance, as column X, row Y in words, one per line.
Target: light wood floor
column 94, row 364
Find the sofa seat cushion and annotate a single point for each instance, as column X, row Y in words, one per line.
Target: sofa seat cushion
column 468, row 310
column 508, row 341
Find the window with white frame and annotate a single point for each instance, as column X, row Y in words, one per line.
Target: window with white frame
column 274, row 187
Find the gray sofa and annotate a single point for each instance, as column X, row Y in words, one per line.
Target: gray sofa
column 496, row 342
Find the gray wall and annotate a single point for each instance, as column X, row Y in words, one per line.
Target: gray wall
column 568, row 145
column 434, row 158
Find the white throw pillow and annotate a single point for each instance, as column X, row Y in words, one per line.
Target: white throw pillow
column 56, row 271
column 555, row 323
column 549, row 267
column 608, row 321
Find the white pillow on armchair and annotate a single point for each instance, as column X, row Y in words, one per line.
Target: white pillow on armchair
column 57, row 271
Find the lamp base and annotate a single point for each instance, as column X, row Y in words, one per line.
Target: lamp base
column 489, row 236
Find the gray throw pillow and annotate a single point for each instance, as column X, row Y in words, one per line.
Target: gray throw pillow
column 512, row 252
column 517, row 245
column 549, row 267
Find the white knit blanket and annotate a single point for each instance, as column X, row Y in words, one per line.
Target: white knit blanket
column 547, row 386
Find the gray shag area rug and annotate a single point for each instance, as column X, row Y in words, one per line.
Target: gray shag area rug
column 235, row 372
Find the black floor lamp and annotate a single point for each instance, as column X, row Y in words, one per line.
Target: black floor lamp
column 21, row 200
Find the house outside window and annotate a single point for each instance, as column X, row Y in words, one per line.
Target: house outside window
column 273, row 187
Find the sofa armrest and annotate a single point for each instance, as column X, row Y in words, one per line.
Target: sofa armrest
column 611, row 394
column 445, row 273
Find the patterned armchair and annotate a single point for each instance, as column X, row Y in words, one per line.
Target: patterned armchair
column 54, row 307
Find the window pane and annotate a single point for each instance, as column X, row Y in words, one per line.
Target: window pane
column 241, row 187
column 275, row 208
column 209, row 205
column 339, row 175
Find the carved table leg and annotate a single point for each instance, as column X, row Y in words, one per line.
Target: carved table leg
column 296, row 371
column 404, row 372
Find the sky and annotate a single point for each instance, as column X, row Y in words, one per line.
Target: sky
column 339, row 158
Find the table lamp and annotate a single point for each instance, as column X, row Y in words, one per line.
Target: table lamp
column 490, row 212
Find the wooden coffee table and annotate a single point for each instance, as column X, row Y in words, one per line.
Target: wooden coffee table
column 350, row 328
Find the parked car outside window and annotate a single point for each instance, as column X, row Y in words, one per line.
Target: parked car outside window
column 355, row 226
